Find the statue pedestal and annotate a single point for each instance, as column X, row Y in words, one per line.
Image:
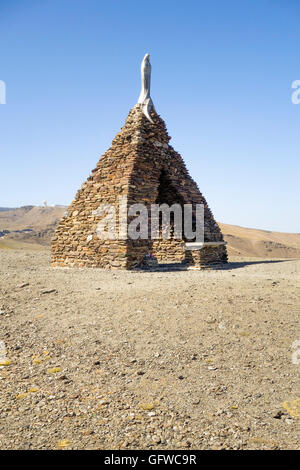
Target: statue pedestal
column 206, row 254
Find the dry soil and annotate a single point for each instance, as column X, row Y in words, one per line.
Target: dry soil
column 99, row 359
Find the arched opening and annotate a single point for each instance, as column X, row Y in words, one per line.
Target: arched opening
column 171, row 249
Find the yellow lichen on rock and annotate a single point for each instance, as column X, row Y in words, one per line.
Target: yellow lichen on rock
column 21, row 396
column 63, row 443
column 146, row 406
column 292, row 407
column 54, row 370
column 5, row 362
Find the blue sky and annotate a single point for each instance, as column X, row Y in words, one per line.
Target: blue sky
column 221, row 79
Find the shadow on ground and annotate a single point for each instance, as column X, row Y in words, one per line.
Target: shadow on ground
column 168, row 267
column 242, row 264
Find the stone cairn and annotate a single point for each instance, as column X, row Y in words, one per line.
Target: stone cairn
column 144, row 167
column 141, row 165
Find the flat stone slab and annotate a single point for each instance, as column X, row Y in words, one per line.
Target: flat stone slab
column 200, row 245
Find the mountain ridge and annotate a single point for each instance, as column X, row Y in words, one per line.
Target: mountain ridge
column 36, row 225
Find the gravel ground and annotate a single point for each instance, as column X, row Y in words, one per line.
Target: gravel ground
column 95, row 359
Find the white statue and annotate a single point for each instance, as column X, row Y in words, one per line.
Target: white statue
column 144, row 98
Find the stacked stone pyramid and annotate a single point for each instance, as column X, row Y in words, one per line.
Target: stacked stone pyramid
column 144, row 167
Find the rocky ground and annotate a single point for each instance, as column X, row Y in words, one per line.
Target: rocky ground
column 148, row 360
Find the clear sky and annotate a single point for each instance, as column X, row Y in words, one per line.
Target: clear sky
column 221, row 79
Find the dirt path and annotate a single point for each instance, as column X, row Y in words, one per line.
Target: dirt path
column 148, row 360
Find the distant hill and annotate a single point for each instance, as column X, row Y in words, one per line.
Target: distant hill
column 36, row 225
column 31, row 217
column 243, row 241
